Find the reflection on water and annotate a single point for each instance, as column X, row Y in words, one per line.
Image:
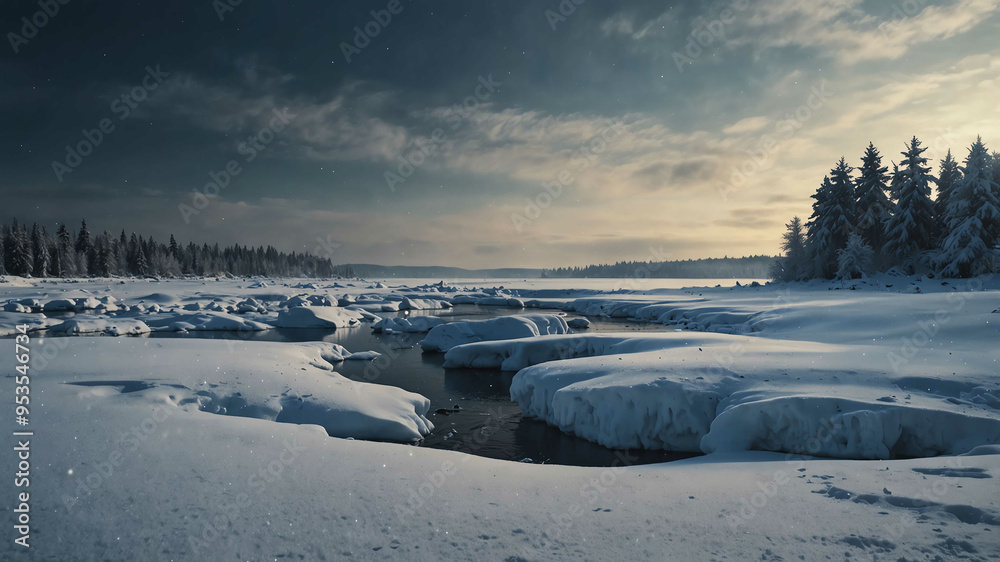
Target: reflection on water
column 487, row 423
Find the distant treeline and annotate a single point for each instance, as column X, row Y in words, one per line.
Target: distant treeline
column 751, row 267
column 439, row 272
column 33, row 252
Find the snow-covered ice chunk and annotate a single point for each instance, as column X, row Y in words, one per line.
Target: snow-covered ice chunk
column 112, row 326
column 283, row 382
column 414, row 324
column 317, row 317
column 409, row 303
column 501, row 301
column 447, row 336
column 205, row 320
column 714, row 392
column 9, row 321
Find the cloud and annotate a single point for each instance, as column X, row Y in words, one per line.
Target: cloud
column 347, row 126
column 842, row 29
column 626, row 25
column 748, row 125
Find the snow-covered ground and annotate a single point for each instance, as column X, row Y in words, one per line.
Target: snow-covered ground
column 204, row 449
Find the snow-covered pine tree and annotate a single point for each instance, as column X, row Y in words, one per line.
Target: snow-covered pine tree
column 106, row 258
column 873, row 203
column 121, row 248
column 855, row 259
column 948, row 177
column 910, row 230
column 64, row 247
column 141, row 267
column 55, row 260
column 843, row 205
column 40, row 252
column 819, row 241
column 132, row 254
column 832, row 220
column 173, row 250
column 794, row 265
column 84, row 250
column 973, row 219
column 22, row 263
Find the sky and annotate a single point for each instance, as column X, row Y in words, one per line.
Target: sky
column 475, row 134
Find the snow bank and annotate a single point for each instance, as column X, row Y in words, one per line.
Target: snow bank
column 112, row 326
column 844, row 428
column 171, row 322
column 82, row 303
column 714, row 392
column 317, row 317
column 447, row 336
column 9, row 321
column 516, row 354
column 280, row 382
column 306, row 300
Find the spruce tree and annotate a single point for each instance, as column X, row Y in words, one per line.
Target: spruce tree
column 843, row 206
column 64, row 248
column 910, row 229
column 83, row 243
column 22, row 260
column 855, row 259
column 948, row 178
column 85, row 250
column 819, row 238
column 794, row 264
column 40, row 251
column 141, row 267
column 973, row 219
column 873, row 204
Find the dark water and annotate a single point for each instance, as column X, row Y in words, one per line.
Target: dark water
column 488, row 423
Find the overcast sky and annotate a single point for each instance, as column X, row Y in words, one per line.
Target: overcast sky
column 641, row 109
